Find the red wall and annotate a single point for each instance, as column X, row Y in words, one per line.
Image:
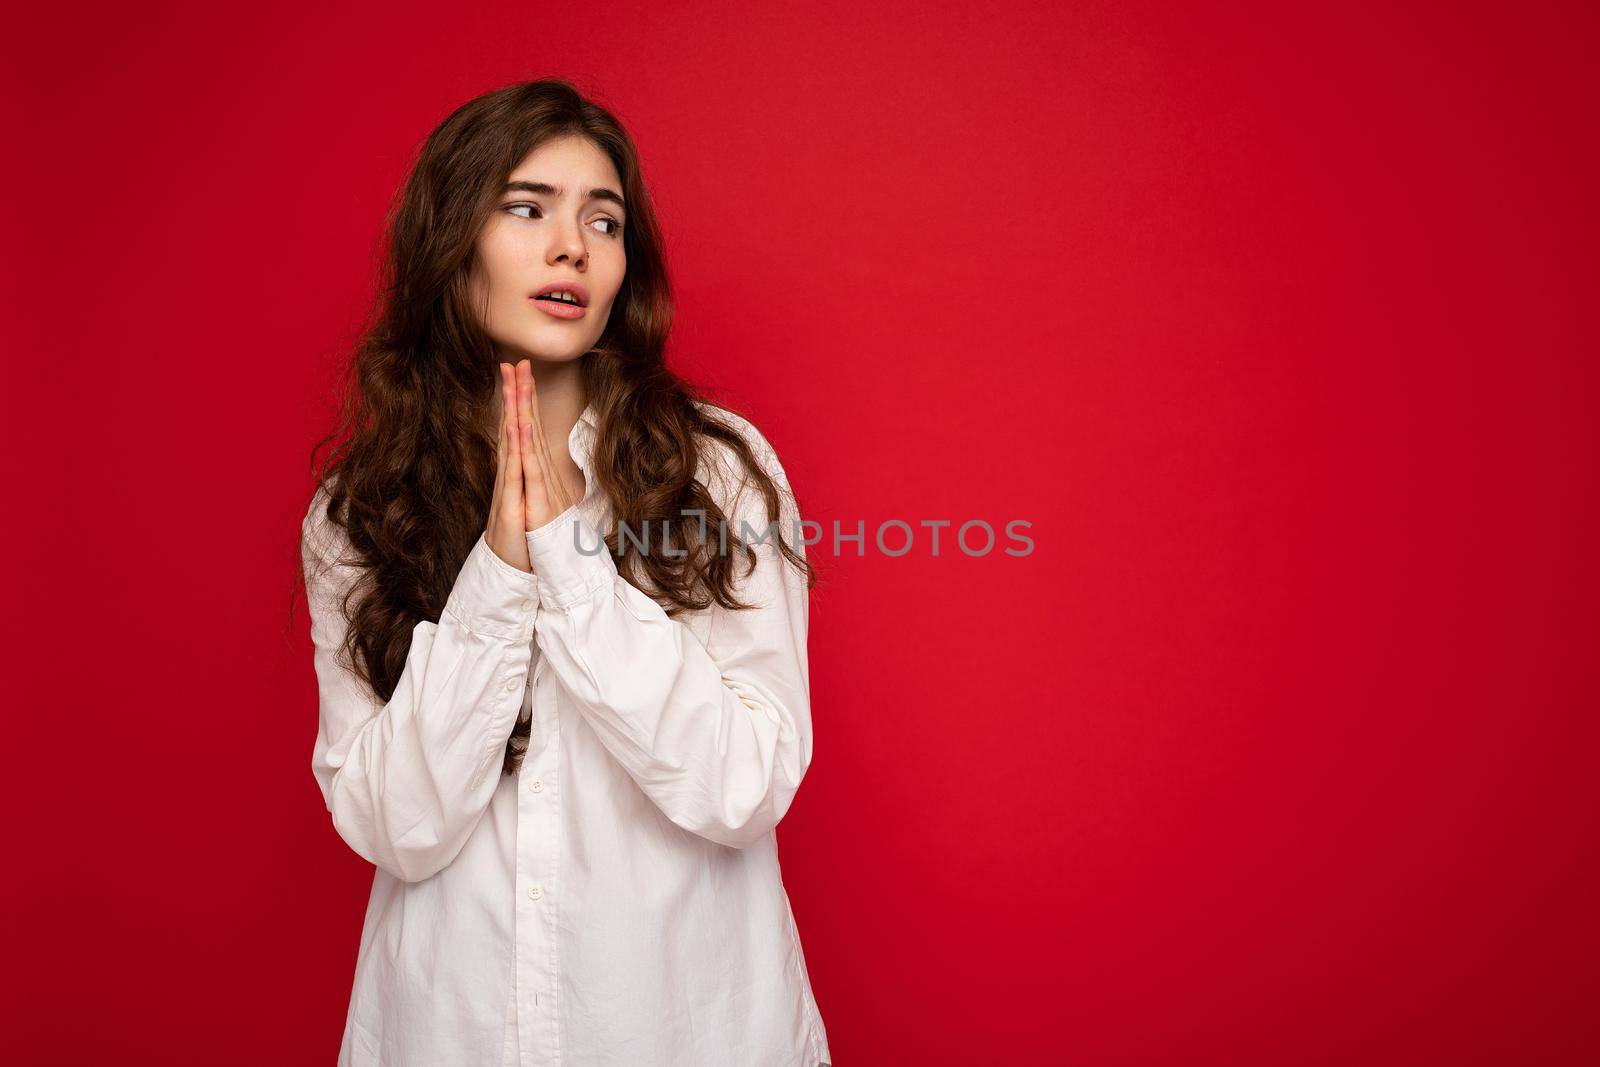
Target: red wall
column 1276, row 322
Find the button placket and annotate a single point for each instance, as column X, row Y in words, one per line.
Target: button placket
column 538, row 836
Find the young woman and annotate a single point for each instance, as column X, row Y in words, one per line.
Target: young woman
column 559, row 614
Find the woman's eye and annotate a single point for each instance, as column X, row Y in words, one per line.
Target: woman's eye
column 533, row 212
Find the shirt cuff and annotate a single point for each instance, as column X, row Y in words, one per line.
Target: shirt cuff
column 493, row 597
column 570, row 558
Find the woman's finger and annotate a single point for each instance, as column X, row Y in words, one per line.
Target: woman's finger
column 499, row 454
column 535, row 484
column 500, row 449
column 511, row 466
column 500, row 431
column 539, row 467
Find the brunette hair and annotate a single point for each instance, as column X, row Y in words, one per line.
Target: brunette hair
column 410, row 463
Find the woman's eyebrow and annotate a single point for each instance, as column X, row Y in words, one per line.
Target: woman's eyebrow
column 546, row 189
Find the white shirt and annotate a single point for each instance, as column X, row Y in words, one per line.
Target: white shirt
column 619, row 901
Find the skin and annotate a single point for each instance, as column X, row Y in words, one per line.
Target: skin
column 530, row 240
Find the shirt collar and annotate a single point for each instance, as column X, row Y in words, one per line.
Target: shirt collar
column 580, row 442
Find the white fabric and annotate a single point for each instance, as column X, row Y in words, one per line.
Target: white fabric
column 619, row 902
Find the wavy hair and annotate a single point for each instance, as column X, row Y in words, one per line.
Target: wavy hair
column 409, row 467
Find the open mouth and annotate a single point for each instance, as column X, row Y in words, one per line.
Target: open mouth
column 567, row 295
column 562, row 297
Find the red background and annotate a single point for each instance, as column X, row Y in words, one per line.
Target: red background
column 1270, row 320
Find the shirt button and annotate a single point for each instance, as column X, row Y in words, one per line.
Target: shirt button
column 512, row 684
column 535, row 891
column 536, row 786
column 527, row 605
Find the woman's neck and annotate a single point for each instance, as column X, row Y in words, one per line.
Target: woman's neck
column 559, row 399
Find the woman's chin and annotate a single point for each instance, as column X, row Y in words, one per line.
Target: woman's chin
column 550, row 353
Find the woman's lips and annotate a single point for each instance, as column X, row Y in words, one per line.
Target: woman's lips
column 558, row 309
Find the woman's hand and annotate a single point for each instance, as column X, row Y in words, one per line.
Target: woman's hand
column 506, row 510
column 527, row 493
column 544, row 495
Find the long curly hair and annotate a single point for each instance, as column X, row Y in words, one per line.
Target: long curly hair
column 409, row 467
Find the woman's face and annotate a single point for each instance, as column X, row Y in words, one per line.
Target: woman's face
column 557, row 225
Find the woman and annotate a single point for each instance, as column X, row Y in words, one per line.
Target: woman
column 565, row 758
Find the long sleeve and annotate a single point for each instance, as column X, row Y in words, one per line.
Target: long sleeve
column 407, row 781
column 717, row 735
